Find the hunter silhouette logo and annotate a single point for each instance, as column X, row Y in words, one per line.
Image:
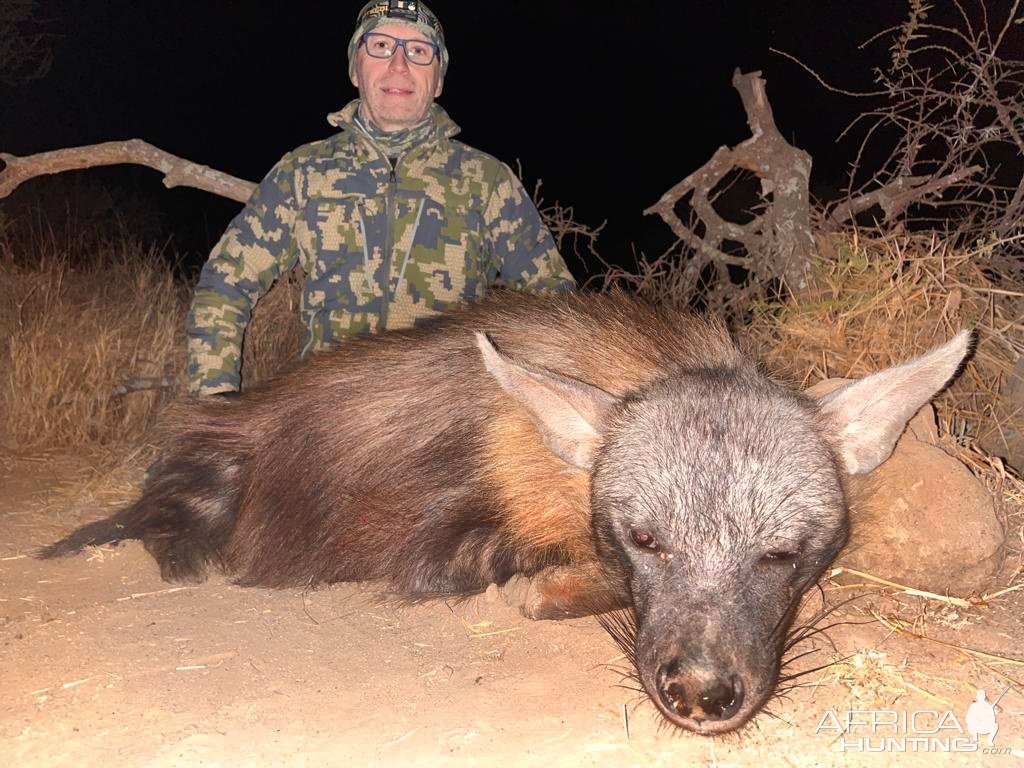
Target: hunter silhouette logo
column 924, row 730
column 981, row 717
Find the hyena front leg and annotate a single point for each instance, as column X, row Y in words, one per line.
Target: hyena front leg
column 568, row 591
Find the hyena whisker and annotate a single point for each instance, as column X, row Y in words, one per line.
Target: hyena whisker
column 789, row 661
column 791, row 609
column 624, row 672
column 619, row 669
column 636, row 688
column 790, row 687
column 621, row 626
column 781, row 695
column 805, row 633
column 799, row 601
column 775, row 716
column 813, row 626
column 809, row 628
column 814, row 632
column 788, row 678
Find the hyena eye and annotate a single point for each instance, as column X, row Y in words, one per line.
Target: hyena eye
column 643, row 540
column 775, row 556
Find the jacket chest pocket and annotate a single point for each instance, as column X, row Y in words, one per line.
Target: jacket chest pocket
column 443, row 262
column 343, row 246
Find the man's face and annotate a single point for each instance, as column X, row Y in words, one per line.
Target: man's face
column 396, row 94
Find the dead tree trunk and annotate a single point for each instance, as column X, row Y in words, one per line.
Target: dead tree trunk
column 778, row 243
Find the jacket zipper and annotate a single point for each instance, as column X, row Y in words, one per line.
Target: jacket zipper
column 389, row 199
column 408, row 251
column 366, row 247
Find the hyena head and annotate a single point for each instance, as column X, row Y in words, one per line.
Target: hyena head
column 718, row 495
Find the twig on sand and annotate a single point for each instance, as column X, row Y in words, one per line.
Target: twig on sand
column 137, row 595
column 958, row 601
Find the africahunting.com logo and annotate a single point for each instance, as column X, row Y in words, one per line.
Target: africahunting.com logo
column 925, row 730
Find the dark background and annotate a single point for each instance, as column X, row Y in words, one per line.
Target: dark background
column 610, row 103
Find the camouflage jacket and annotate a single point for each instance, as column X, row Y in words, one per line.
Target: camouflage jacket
column 381, row 246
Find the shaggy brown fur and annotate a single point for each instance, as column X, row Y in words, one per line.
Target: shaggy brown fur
column 399, row 457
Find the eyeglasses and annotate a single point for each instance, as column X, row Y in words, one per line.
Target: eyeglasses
column 381, row 46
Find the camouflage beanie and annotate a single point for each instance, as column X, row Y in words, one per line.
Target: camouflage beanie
column 409, row 12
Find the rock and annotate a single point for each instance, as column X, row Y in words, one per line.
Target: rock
column 925, row 425
column 825, row 386
column 921, row 518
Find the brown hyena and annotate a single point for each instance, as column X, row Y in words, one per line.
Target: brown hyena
column 623, row 455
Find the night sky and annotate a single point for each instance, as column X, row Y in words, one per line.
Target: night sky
column 608, row 103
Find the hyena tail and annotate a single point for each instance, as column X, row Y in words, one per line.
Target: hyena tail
column 184, row 518
column 107, row 531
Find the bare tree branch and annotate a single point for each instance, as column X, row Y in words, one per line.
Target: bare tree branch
column 568, row 233
column 894, row 197
column 953, row 121
column 177, row 171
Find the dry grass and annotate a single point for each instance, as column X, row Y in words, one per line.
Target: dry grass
column 82, row 315
column 872, row 681
column 874, row 303
column 274, row 335
column 77, row 319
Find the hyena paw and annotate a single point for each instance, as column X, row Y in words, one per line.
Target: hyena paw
column 539, row 606
column 513, row 591
column 540, row 598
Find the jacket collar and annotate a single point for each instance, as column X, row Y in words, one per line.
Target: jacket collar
column 444, row 126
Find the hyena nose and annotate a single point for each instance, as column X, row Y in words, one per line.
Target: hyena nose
column 699, row 693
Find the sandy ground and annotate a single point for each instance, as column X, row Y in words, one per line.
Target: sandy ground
column 101, row 663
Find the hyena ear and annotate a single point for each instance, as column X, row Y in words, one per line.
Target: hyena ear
column 569, row 413
column 867, row 416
